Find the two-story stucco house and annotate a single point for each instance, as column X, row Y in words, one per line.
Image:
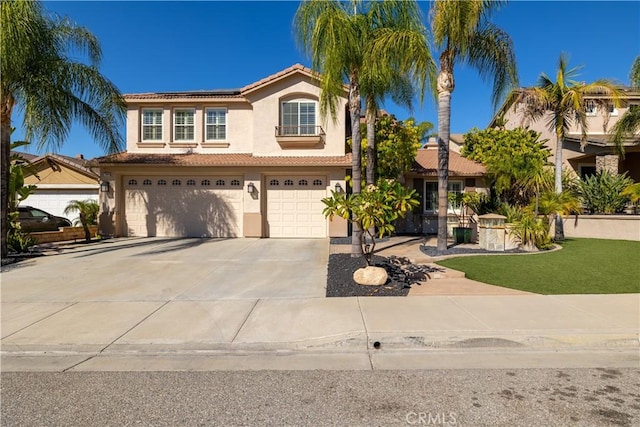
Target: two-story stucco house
column 252, row 162
column 598, row 153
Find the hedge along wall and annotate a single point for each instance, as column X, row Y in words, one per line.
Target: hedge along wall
column 616, row 227
column 63, row 234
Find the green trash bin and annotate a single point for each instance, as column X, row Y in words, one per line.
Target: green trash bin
column 462, row 234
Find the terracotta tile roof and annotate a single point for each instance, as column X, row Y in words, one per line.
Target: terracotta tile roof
column 222, row 94
column 79, row 164
column 227, row 95
column 278, row 76
column 427, row 164
column 231, row 159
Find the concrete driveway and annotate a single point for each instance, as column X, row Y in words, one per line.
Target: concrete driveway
column 156, row 269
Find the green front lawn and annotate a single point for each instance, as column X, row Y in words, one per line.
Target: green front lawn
column 582, row 266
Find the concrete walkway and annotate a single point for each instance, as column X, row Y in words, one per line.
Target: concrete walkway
column 153, row 304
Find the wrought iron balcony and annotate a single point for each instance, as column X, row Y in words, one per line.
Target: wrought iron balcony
column 300, row 136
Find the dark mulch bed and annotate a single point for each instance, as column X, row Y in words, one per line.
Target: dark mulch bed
column 402, row 275
column 453, row 250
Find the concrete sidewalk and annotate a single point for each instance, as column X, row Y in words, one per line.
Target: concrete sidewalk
column 138, row 326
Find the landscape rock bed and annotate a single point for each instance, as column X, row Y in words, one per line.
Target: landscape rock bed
column 402, row 275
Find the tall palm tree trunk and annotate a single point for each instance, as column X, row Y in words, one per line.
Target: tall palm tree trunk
column 356, row 162
column 445, row 87
column 5, row 154
column 559, row 234
column 371, row 147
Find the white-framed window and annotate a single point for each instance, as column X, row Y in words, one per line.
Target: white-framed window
column 152, row 124
column 215, row 124
column 184, row 124
column 298, row 118
column 591, row 108
column 431, row 195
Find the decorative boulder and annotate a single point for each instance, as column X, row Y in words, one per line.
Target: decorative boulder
column 370, row 276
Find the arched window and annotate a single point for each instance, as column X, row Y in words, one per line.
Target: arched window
column 133, row 182
column 317, row 182
column 303, row 182
column 274, row 182
column 235, row 182
column 205, row 183
column 162, row 182
column 220, row 182
column 288, row 182
column 176, row 182
column 191, row 182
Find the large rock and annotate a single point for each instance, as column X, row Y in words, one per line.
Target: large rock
column 370, row 276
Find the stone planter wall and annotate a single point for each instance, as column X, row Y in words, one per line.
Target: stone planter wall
column 63, row 234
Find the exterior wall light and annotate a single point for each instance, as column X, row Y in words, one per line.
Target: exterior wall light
column 251, row 188
column 338, row 187
column 104, row 187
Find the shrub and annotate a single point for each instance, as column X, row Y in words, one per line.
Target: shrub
column 532, row 230
column 372, row 210
column 602, row 193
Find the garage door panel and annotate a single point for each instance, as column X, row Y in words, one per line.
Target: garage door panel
column 294, row 206
column 184, row 206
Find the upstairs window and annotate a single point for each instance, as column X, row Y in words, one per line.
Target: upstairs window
column 152, row 125
column 184, row 125
column 216, row 124
column 298, row 118
column 590, row 108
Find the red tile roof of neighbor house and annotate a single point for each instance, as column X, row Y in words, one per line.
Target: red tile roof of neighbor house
column 427, row 164
column 230, row 159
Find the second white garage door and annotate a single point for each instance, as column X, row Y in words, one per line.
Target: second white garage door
column 294, row 206
column 199, row 206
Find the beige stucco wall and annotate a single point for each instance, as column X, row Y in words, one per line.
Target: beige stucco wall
column 239, row 132
column 251, row 122
column 266, row 116
column 62, row 176
column 618, row 227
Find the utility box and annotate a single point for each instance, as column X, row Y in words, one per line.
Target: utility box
column 492, row 231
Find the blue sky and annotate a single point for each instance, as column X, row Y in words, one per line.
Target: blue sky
column 154, row 46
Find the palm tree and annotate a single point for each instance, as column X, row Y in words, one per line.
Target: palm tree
column 361, row 42
column 462, row 33
column 87, row 214
column 563, row 104
column 629, row 123
column 38, row 74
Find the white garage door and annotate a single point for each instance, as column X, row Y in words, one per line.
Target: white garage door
column 55, row 201
column 183, row 206
column 294, row 207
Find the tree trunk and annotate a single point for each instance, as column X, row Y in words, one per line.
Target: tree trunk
column 445, row 87
column 5, row 156
column 85, row 227
column 371, row 145
column 559, row 235
column 356, row 163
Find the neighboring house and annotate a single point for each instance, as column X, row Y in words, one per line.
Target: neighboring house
column 598, row 153
column 464, row 176
column 59, row 180
column 252, row 162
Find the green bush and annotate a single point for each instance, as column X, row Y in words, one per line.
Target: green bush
column 532, row 230
column 602, row 193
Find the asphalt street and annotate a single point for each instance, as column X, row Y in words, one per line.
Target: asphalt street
column 493, row 397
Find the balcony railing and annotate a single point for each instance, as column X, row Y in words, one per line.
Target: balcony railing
column 299, row 131
column 300, row 136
